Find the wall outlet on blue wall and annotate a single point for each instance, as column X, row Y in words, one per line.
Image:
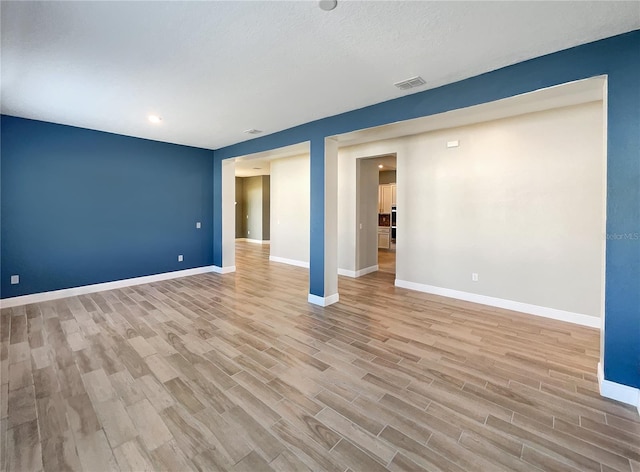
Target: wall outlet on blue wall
column 198, row 225
column 180, row 258
column 15, row 279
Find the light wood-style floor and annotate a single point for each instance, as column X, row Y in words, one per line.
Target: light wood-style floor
column 238, row 372
column 387, row 260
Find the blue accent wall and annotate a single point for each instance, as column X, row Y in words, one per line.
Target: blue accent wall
column 619, row 58
column 316, row 225
column 216, row 247
column 82, row 207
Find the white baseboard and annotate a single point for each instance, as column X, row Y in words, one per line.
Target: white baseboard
column 223, row 270
column 83, row 290
column 561, row 315
column 293, row 262
column 357, row 273
column 616, row 391
column 324, row 301
column 254, row 241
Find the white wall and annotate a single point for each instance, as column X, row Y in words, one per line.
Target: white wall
column 253, row 207
column 290, row 203
column 520, row 202
column 367, row 175
column 347, row 209
column 228, row 215
column 347, row 199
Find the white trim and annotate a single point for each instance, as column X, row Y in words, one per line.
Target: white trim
column 284, row 260
column 324, row 301
column 82, row 290
column 357, row 273
column 616, row 391
column 254, row 241
column 223, row 270
column 570, row 317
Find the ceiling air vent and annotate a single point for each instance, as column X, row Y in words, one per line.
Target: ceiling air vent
column 410, row 83
column 252, row 131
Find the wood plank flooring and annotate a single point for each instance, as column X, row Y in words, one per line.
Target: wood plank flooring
column 387, row 260
column 239, row 373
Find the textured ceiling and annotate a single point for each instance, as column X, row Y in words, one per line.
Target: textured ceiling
column 214, row 69
column 573, row 93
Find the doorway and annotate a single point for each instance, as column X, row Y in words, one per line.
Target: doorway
column 376, row 209
column 273, row 203
column 387, row 213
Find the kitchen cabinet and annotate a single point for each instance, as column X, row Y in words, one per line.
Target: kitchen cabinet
column 384, row 237
column 386, row 197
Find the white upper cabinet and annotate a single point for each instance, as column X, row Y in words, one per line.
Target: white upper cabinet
column 386, row 197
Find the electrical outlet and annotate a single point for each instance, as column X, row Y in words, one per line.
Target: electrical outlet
column 198, row 225
column 248, row 232
column 474, row 277
column 15, row 279
column 180, row 258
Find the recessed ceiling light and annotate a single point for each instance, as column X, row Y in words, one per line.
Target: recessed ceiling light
column 328, row 5
column 154, row 118
column 380, row 166
column 252, row 131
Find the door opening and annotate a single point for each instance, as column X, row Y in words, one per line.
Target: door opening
column 376, row 214
column 387, row 213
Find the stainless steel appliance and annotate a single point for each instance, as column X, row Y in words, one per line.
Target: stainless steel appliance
column 393, row 223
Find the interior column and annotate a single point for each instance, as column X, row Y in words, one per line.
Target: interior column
column 323, row 263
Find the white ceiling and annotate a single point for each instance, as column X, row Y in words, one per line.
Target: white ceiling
column 260, row 162
column 564, row 95
column 214, row 69
column 387, row 162
column 573, row 93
